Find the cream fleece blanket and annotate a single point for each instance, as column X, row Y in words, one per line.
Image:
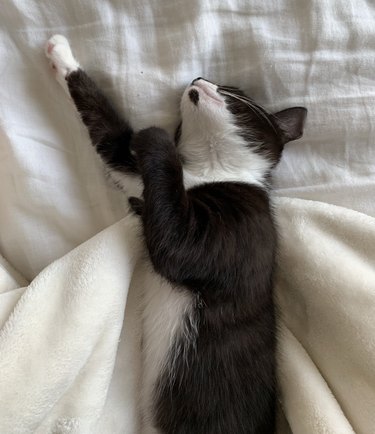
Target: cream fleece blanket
column 67, row 367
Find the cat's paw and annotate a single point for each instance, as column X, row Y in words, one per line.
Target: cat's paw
column 62, row 61
column 150, row 142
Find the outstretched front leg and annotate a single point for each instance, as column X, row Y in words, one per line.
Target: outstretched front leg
column 109, row 133
column 172, row 231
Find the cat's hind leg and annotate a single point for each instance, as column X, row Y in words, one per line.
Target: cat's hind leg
column 109, row 133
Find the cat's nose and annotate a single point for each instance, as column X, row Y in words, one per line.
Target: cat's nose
column 196, row 79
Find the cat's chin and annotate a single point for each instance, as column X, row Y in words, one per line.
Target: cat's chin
column 207, row 90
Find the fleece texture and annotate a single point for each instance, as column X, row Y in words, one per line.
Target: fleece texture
column 70, row 340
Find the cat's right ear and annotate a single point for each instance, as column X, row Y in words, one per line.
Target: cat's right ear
column 291, row 122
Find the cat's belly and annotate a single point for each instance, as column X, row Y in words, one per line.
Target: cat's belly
column 165, row 310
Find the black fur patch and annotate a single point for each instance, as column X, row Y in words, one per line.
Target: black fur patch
column 257, row 126
column 110, row 134
column 264, row 131
column 218, row 240
column 177, row 134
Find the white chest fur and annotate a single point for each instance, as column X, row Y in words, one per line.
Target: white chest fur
column 164, row 313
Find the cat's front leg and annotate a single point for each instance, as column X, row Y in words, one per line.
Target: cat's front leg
column 168, row 213
column 110, row 133
column 161, row 171
column 154, row 152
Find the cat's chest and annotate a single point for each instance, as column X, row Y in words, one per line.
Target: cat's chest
column 132, row 184
column 164, row 311
column 195, row 178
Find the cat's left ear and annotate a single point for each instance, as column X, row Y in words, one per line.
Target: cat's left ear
column 291, row 122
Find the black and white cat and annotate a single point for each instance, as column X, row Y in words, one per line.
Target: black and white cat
column 209, row 332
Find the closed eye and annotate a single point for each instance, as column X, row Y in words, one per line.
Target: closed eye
column 229, row 88
column 261, row 113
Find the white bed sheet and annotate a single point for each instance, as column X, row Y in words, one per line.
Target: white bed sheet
column 53, row 192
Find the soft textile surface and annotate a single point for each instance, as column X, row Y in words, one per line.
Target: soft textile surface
column 59, row 345
column 58, row 365
column 319, row 54
column 59, row 339
column 325, row 287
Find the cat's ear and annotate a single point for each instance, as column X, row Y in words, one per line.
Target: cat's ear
column 291, row 122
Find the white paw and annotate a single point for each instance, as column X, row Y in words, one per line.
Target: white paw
column 58, row 50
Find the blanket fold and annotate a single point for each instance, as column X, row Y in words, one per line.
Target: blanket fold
column 326, row 295
column 69, row 357
column 58, row 346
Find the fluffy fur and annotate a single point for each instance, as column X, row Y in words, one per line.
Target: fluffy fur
column 209, row 322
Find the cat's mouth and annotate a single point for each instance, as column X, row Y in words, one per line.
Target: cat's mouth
column 200, row 87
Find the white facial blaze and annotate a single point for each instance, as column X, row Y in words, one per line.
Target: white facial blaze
column 211, row 143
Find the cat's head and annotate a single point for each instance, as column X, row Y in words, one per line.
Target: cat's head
column 220, row 122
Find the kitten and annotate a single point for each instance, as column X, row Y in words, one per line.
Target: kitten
column 209, row 331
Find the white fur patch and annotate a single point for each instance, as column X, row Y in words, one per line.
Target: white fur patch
column 211, row 144
column 132, row 185
column 164, row 311
column 58, row 50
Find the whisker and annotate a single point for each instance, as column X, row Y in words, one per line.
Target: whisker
column 248, row 103
column 253, row 107
column 227, row 87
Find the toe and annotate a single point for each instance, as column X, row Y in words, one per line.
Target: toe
column 59, row 39
column 53, row 41
column 49, row 47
